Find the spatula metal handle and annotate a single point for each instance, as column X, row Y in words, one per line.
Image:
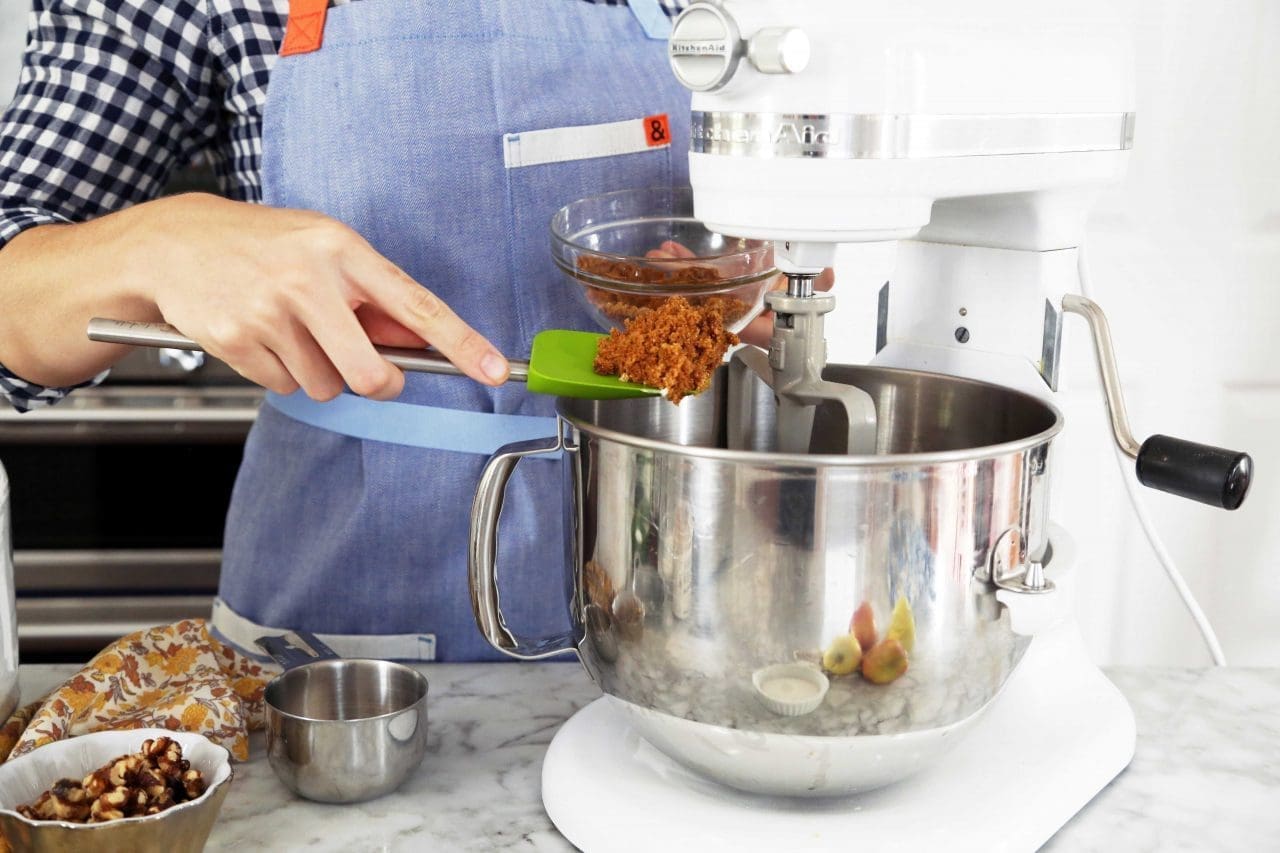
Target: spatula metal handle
column 166, row 336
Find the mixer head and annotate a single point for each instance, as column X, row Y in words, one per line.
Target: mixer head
column 981, row 132
column 823, row 121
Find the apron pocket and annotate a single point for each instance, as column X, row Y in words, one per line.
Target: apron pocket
column 547, row 169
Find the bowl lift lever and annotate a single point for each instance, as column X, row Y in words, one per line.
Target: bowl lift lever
column 1211, row 475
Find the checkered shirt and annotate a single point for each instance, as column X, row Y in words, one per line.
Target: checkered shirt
column 114, row 94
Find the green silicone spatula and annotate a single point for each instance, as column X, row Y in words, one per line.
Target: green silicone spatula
column 560, row 363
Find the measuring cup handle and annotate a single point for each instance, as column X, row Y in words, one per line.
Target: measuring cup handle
column 482, row 557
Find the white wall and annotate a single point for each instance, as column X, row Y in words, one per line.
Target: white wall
column 13, row 36
column 1185, row 257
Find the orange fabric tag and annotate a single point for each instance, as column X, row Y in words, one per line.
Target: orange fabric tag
column 656, row 130
column 304, row 31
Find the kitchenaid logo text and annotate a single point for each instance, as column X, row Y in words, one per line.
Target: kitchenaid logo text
column 783, row 133
column 690, row 47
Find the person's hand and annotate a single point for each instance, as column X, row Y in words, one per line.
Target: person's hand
column 759, row 330
column 293, row 298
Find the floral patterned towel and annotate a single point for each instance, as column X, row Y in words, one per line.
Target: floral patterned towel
column 174, row 676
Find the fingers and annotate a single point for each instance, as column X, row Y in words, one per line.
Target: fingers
column 381, row 329
column 670, row 250
column 826, row 280
column 676, row 250
column 426, row 315
column 759, row 331
column 337, row 332
column 247, row 354
column 260, row 366
column 298, row 351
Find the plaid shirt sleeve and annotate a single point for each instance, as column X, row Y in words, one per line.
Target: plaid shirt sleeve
column 112, row 94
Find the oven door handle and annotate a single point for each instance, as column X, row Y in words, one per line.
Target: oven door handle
column 239, row 415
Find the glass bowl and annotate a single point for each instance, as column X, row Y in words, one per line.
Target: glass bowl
column 631, row 250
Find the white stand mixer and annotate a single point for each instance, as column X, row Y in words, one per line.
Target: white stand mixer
column 978, row 134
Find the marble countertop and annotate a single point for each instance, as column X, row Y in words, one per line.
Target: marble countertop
column 1206, row 775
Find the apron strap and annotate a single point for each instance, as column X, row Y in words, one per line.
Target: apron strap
column 304, row 31
column 652, row 17
column 430, row 427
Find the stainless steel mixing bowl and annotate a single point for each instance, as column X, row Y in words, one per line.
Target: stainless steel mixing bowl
column 691, row 567
column 343, row 730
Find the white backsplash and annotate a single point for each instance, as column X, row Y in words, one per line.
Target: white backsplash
column 1184, row 255
column 13, row 37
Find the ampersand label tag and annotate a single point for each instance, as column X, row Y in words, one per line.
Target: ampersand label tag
column 657, row 131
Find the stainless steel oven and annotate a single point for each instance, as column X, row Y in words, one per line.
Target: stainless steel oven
column 119, row 495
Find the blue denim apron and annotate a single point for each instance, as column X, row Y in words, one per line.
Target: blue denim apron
column 355, row 526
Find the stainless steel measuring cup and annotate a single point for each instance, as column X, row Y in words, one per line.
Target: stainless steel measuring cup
column 342, row 730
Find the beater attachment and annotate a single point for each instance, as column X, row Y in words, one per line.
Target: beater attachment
column 793, row 369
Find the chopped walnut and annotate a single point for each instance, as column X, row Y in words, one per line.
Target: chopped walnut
column 66, row 800
column 192, row 783
column 144, row 783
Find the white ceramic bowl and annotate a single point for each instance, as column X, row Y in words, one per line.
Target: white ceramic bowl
column 180, row 829
column 770, row 681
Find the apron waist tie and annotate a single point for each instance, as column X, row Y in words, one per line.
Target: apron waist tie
column 243, row 633
column 430, row 427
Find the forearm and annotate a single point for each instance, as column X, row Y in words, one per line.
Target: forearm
column 53, row 279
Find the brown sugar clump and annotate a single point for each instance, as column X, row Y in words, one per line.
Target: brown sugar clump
column 620, row 307
column 674, row 346
column 639, row 273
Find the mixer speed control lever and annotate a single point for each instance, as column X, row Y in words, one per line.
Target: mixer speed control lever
column 779, row 50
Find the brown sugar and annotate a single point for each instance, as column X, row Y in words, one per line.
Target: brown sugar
column 636, row 273
column 675, row 346
column 620, row 307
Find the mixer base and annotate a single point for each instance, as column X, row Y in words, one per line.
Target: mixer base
column 1056, row 735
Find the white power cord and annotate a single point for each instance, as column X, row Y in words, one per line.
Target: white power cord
column 1148, row 527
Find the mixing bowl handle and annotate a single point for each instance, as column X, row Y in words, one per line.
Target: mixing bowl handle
column 482, row 557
